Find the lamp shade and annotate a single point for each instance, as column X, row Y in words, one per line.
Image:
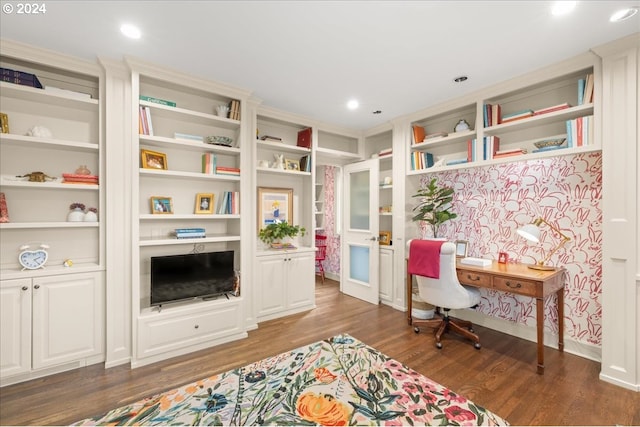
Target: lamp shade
column 530, row 232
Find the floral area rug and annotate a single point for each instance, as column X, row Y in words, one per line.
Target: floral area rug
column 335, row 382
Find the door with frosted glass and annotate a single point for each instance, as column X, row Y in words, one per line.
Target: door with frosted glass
column 360, row 247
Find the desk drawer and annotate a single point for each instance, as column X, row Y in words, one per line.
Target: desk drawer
column 516, row 286
column 472, row 278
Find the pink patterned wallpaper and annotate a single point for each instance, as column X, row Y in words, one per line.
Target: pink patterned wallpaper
column 493, row 202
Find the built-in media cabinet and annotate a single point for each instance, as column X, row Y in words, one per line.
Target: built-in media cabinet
column 186, row 199
column 52, row 317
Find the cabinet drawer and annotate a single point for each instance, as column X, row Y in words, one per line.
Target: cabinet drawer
column 473, row 278
column 516, row 286
column 159, row 333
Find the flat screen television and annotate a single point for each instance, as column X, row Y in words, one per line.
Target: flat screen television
column 189, row 276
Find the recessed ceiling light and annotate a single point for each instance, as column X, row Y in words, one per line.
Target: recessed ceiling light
column 460, row 79
column 563, row 7
column 130, row 31
column 353, row 104
column 623, row 14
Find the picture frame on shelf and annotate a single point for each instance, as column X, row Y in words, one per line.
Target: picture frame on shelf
column 161, row 205
column 461, row 248
column 292, row 165
column 204, row 203
column 384, row 238
column 153, row 159
column 274, row 204
column 4, row 123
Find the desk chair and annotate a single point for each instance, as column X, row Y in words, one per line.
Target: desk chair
column 321, row 253
column 446, row 292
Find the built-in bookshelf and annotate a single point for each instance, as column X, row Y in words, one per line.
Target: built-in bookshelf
column 549, row 117
column 187, row 146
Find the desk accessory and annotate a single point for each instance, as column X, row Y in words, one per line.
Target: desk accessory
column 33, row 260
column 480, row 262
column 532, row 232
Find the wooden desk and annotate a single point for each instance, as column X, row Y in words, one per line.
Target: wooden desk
column 516, row 279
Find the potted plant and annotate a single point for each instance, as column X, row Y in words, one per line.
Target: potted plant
column 274, row 233
column 435, row 202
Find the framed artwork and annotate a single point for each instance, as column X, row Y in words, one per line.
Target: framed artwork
column 204, row 203
column 153, row 159
column 274, row 205
column 161, row 205
column 461, row 248
column 4, row 123
column 385, row 237
column 291, row 165
column 503, row 257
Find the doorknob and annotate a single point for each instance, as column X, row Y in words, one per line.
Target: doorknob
column 374, row 238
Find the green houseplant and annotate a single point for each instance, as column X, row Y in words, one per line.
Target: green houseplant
column 435, row 202
column 276, row 231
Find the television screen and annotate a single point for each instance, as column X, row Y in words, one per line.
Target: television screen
column 198, row 275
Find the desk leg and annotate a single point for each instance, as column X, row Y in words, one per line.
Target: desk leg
column 540, row 325
column 408, row 295
column 561, row 319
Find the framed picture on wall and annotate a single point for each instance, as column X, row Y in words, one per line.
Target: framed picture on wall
column 161, row 205
column 153, row 159
column 385, row 237
column 204, row 203
column 274, row 204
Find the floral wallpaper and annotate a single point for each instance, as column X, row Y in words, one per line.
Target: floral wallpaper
column 493, row 202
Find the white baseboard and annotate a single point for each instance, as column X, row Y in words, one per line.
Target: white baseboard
column 332, row 276
column 623, row 384
column 529, row 333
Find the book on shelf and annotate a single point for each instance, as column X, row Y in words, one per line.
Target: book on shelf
column 385, row 152
column 452, row 162
column 418, row 134
column 225, row 170
column 518, row 115
column 421, row 160
column 581, row 87
column 234, row 109
column 270, row 138
column 436, row 135
column 145, row 127
column 549, row 148
column 551, row 109
column 580, row 131
column 20, row 77
column 490, row 145
column 209, row 163
column 305, row 163
column 471, row 150
column 304, row 138
column 157, row 101
column 190, row 230
column 492, row 114
column 190, row 235
column 188, row 137
column 229, row 203
column 587, row 98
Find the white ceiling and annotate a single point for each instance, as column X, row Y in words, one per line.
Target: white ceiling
column 311, row 57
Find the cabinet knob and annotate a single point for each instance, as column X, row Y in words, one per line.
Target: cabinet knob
column 37, row 287
column 475, row 279
column 197, row 326
column 24, row 288
column 514, row 286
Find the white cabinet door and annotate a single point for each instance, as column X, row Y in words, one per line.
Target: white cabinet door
column 386, row 275
column 300, row 276
column 68, row 318
column 270, row 281
column 15, row 326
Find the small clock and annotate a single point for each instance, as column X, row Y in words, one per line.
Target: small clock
column 33, row 259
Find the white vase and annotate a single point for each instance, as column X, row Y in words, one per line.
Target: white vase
column 91, row 216
column 76, row 215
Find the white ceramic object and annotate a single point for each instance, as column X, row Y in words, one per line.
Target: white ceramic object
column 76, row 215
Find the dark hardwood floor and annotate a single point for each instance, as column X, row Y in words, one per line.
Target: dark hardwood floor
column 501, row 376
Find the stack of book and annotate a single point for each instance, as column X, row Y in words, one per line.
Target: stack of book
column 209, row 163
column 157, row 101
column 492, row 115
column 385, row 152
column 144, row 121
column 20, row 77
column 551, row 109
column 580, row 131
column 229, row 203
column 436, row 135
column 189, row 233
column 225, row 170
column 234, row 109
column 452, row 162
column 518, row 115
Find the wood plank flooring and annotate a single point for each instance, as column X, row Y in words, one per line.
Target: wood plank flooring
column 501, row 376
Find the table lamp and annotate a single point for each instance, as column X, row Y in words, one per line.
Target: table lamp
column 532, row 232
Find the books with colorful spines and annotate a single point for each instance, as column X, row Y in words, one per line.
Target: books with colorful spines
column 496, row 114
column 522, row 114
column 486, row 115
column 20, row 77
column 304, row 138
column 436, row 135
column 157, row 101
column 418, row 134
column 471, row 150
column 224, row 170
column 144, row 118
column 551, row 109
column 209, row 163
column 490, row 145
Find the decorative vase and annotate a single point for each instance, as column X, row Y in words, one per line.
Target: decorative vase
column 76, row 215
column 91, row 216
column 83, row 170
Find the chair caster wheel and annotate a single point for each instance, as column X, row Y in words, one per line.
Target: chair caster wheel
column 477, row 346
column 416, row 330
column 439, row 345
